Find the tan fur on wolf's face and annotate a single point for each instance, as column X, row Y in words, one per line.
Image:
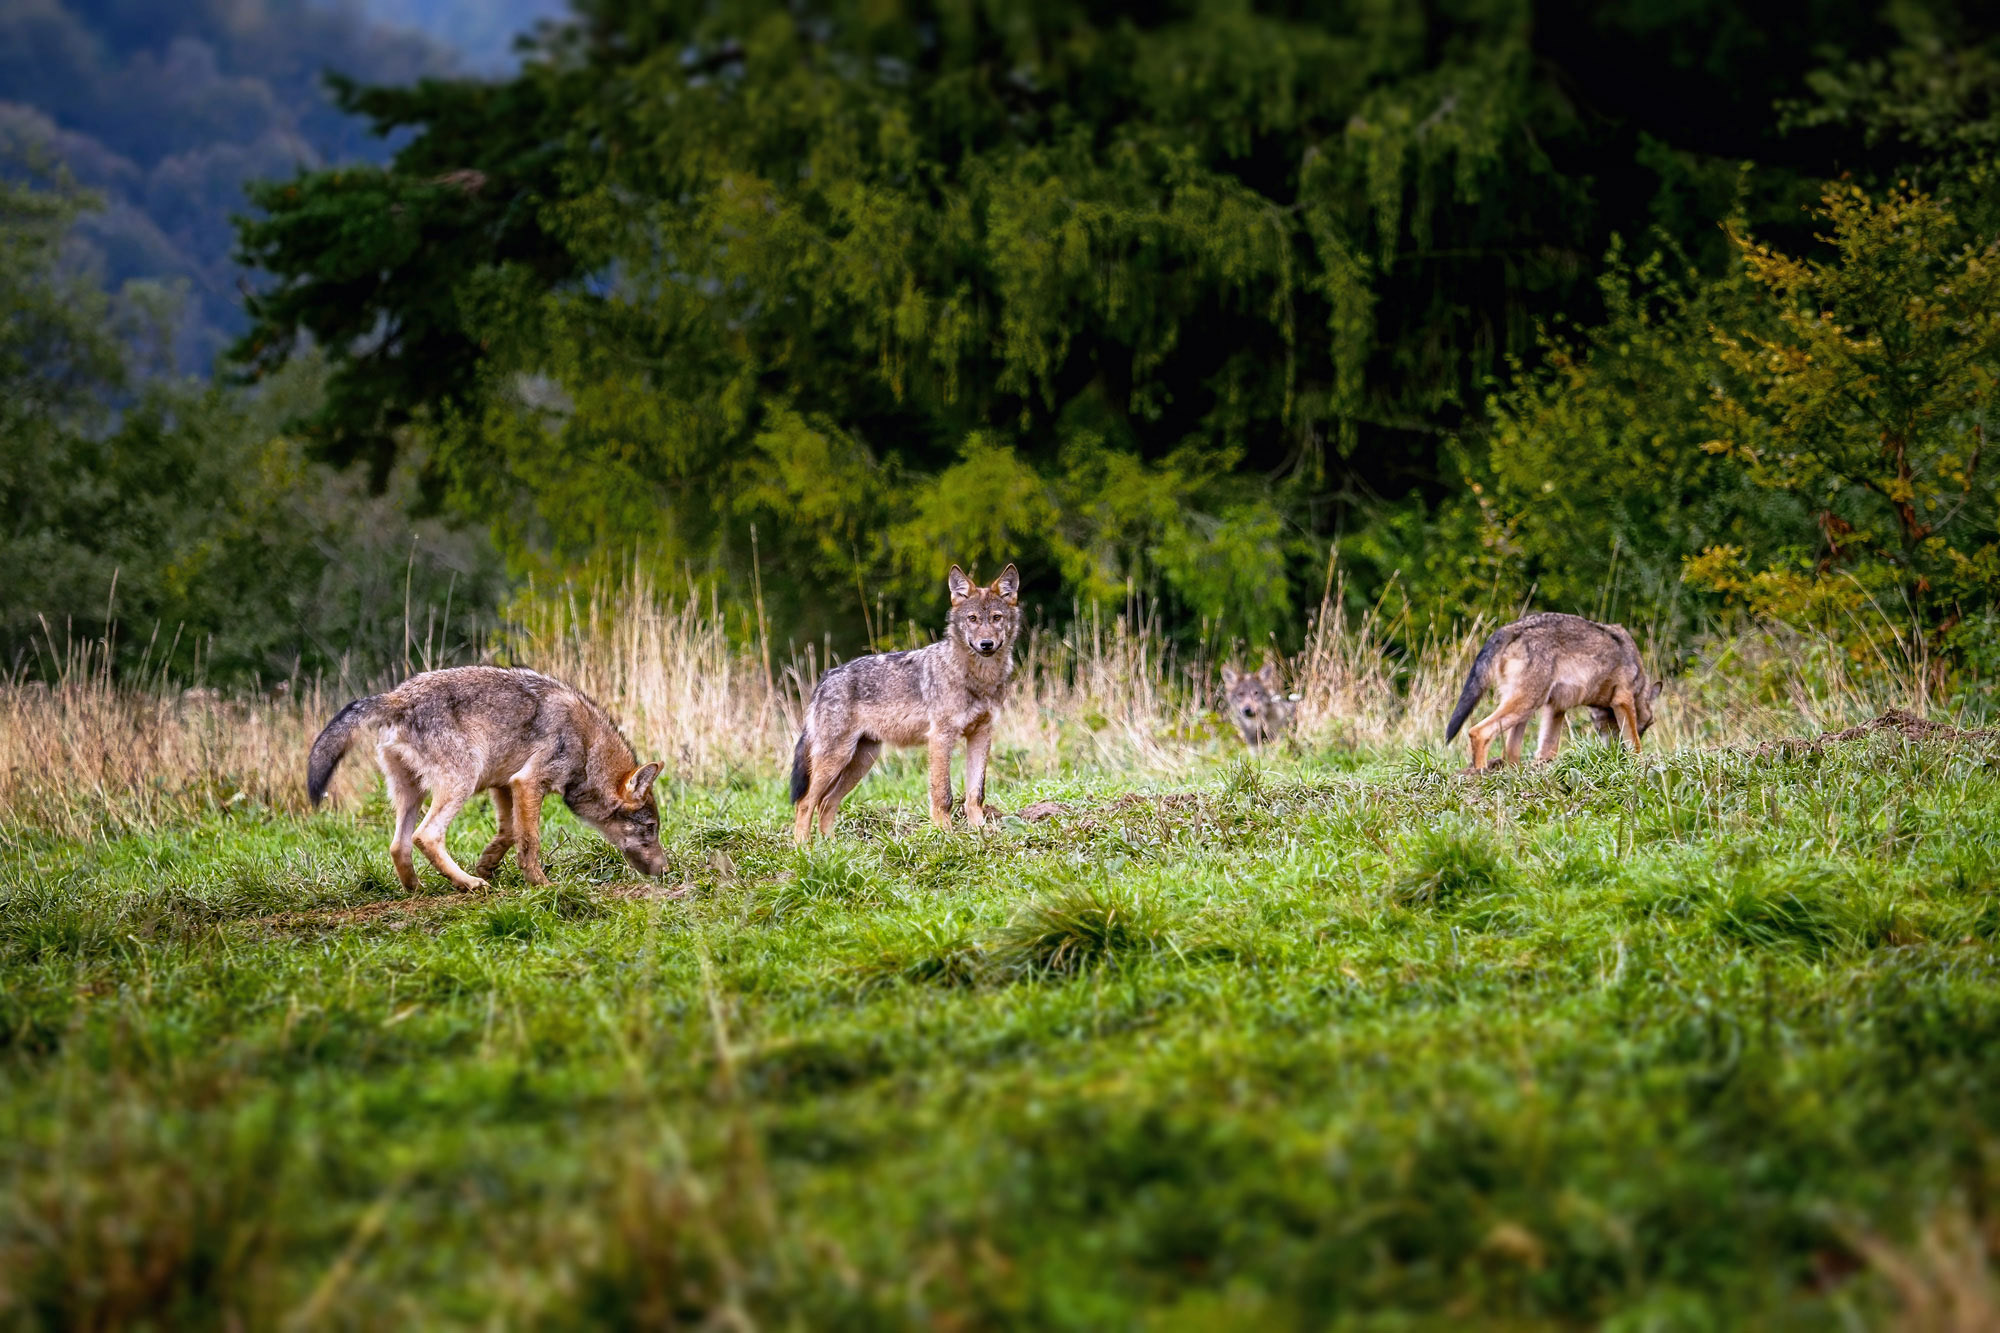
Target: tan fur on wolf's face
column 631, row 823
column 985, row 620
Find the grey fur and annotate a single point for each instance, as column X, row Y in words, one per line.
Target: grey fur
column 1553, row 662
column 515, row 733
column 1256, row 703
column 931, row 696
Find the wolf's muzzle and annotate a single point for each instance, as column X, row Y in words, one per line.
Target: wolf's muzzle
column 986, row 647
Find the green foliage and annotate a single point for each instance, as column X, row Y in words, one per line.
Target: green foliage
column 1595, row 482
column 1870, row 401
column 1150, row 303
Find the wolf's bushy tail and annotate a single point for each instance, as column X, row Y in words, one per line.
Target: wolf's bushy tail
column 1475, row 683
column 801, row 768
column 332, row 743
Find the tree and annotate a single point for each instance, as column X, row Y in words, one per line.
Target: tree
column 177, row 522
column 1159, row 300
column 1872, row 401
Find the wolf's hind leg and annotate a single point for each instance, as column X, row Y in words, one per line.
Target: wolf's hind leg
column 406, row 792
column 1550, row 737
column 824, row 765
column 849, row 778
column 446, row 802
column 528, row 830
column 1505, row 724
column 1495, row 726
column 496, row 851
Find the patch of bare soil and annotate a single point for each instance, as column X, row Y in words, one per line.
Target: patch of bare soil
column 1901, row 721
column 1041, row 810
column 644, row 892
column 389, row 908
column 397, row 913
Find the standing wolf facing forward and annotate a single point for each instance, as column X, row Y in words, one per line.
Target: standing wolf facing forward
column 516, row 733
column 930, row 696
column 1555, row 662
column 1254, row 703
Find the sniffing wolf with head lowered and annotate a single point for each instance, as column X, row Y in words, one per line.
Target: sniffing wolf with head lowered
column 1256, row 703
column 931, row 696
column 1554, row 662
column 515, row 733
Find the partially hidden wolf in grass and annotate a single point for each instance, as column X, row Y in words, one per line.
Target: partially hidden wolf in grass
column 515, row 733
column 1554, row 662
column 1256, row 703
column 931, row 696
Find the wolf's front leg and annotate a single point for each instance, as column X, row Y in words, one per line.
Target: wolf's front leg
column 977, row 742
column 941, row 742
column 528, row 830
column 1628, row 722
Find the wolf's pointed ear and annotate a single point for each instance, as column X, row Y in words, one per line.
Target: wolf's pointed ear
column 1268, row 674
column 1654, row 693
column 1008, row 585
column 641, row 781
column 1230, row 675
column 961, row 586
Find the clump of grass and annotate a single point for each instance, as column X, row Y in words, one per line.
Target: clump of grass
column 1077, row 929
column 942, row 952
column 662, row 1244
column 1451, row 865
column 47, row 920
column 518, row 919
column 1775, row 906
column 1244, row 780
column 134, row 1220
column 564, row 902
column 825, row 875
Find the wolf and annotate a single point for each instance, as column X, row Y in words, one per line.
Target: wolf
column 931, row 696
column 513, row 732
column 1555, row 662
column 1255, row 704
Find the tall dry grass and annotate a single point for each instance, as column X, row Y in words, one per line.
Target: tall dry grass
column 88, row 754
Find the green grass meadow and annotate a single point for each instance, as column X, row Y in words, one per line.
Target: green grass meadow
column 1323, row 1041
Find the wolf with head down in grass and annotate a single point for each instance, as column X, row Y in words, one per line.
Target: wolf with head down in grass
column 933, row 696
column 1551, row 662
column 514, row 733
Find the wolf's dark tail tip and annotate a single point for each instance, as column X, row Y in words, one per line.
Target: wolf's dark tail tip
column 331, row 745
column 1475, row 685
column 801, row 769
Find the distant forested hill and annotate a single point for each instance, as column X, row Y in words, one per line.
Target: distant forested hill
column 166, row 109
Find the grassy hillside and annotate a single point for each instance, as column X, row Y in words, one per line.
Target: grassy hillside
column 1338, row 1039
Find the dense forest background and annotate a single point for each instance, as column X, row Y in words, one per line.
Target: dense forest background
column 1676, row 313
